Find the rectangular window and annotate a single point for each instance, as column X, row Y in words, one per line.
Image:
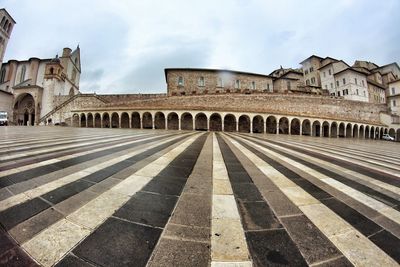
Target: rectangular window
column 324, row 74
column 312, row 80
column 338, row 93
column 237, row 84
column 180, row 81
column 201, row 81
column 220, row 82
column 330, row 72
column 355, row 80
column 332, row 94
column 253, row 85
column 268, row 86
column 363, row 84
column 337, row 83
column 307, row 82
column 306, row 72
column 393, row 91
column 357, row 91
column 288, row 85
column 326, row 86
column 344, row 81
column 394, row 103
column 331, row 85
column 364, row 93
column 311, row 69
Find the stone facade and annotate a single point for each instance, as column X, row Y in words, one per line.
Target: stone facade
column 6, row 26
column 211, row 81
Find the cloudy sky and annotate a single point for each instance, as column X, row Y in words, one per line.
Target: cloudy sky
column 126, row 44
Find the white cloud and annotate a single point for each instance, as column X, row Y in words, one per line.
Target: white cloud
column 126, row 44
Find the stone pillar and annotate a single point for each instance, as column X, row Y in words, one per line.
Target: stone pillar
column 289, row 128
column 86, row 121
column 251, row 126
column 166, row 123
column 329, row 132
column 277, row 127
column 301, row 128
column 153, row 126
column 120, row 120
column 179, row 123
column 101, row 121
column 194, row 124
column 94, row 121
column 141, row 123
column 130, row 121
column 237, row 125
column 265, row 126
column 208, row 124
column 222, row 125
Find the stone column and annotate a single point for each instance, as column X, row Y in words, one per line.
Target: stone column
column 251, row 126
column 194, row 124
column 208, row 124
column 153, row 125
column 166, row 123
column 94, row 121
column 237, row 125
column 277, row 127
column 289, row 128
column 265, row 126
column 120, row 121
column 86, row 121
column 222, row 125
column 130, row 121
column 179, row 123
column 301, row 128
column 141, row 122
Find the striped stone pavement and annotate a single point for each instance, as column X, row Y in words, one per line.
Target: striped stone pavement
column 123, row 197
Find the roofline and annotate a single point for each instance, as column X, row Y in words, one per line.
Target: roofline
column 393, row 63
column 311, row 57
column 351, row 69
column 9, row 15
column 166, row 70
column 376, row 84
column 395, row 81
column 335, row 62
column 26, row 60
column 1, row 90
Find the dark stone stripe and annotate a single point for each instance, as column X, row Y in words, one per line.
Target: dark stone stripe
column 28, row 160
column 19, row 213
column 63, row 143
column 384, row 177
column 394, row 203
column 82, row 148
column 257, row 215
column 123, row 239
column 353, row 217
column 43, row 170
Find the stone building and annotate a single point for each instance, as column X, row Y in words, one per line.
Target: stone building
column 190, row 81
column 35, row 83
column 394, row 97
column 6, row 26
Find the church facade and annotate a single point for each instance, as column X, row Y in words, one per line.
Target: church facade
column 35, row 83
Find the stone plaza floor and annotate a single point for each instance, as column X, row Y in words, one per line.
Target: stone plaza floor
column 124, row 197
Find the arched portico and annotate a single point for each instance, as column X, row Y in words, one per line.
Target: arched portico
column 258, row 124
column 355, row 131
column 325, row 129
column 283, row 125
column 135, row 120
column 147, row 120
column 97, row 120
column 90, row 120
column 173, row 121
column 271, row 123
column 201, row 122
column 316, row 129
column 295, row 128
column 306, row 127
column 25, row 109
column 75, row 120
column 244, row 124
column 124, row 120
column 83, row 120
column 187, row 121
column 334, row 130
column 361, row 131
column 215, row 122
column 229, row 123
column 106, row 120
column 115, row 120
column 348, row 130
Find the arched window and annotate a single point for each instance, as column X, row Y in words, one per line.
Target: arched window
column 23, row 71
column 2, row 75
column 2, row 21
column 5, row 25
column 51, row 70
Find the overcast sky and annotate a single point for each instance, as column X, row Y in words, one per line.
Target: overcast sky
column 126, row 44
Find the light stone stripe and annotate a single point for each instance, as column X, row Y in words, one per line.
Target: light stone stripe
column 45, row 188
column 371, row 182
column 355, row 246
column 374, row 204
column 351, row 151
column 18, row 143
column 228, row 241
column 32, row 153
column 74, row 155
column 58, row 142
column 358, row 158
column 357, row 162
column 53, row 243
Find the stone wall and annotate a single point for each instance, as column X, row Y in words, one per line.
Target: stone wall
column 286, row 104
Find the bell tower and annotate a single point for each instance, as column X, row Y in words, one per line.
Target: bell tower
column 6, row 26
